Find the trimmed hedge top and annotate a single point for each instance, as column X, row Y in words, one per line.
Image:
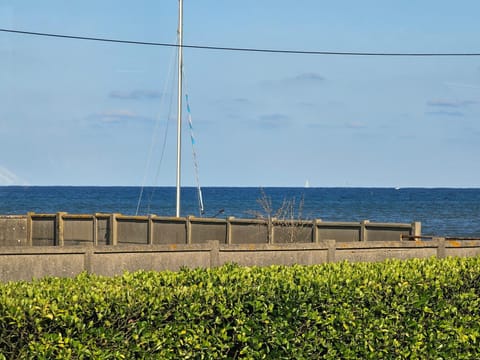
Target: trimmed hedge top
column 416, row 309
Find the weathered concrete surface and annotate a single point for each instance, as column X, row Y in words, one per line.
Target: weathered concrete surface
column 253, row 232
column 202, row 231
column 380, row 233
column 109, row 262
column 339, row 231
column 268, row 254
column 292, row 232
column 462, row 248
column 25, row 263
column 64, row 229
column 43, row 231
column 132, row 231
column 78, row 231
column 13, row 231
column 379, row 251
column 169, row 231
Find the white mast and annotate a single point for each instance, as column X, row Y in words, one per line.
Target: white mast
column 179, row 102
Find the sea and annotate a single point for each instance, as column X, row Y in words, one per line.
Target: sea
column 450, row 212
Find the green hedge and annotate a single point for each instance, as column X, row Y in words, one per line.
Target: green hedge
column 416, row 309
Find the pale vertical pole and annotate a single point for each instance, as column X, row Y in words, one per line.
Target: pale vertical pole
column 179, row 102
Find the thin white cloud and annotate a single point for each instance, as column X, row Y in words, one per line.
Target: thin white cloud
column 452, row 103
column 303, row 79
column 241, row 100
column 9, row 178
column 446, row 113
column 233, row 101
column 307, row 77
column 136, row 95
column 118, row 116
column 306, row 104
column 355, row 125
column 274, row 121
column 462, row 85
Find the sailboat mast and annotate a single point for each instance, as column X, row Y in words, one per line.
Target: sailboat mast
column 179, row 102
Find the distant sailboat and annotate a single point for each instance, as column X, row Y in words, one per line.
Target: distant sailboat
column 307, row 184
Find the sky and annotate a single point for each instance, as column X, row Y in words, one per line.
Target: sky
column 77, row 112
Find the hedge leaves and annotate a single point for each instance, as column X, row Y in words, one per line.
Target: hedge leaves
column 416, row 309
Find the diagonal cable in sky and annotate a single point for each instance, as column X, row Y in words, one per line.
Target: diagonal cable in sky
column 258, row 50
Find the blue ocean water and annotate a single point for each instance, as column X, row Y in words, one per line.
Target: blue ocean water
column 444, row 212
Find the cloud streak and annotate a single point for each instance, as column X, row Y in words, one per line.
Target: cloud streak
column 355, row 125
column 274, row 121
column 234, row 102
column 8, row 178
column 120, row 116
column 303, row 79
column 135, row 95
column 450, row 108
column 453, row 104
column 463, row 85
column 446, row 113
column 307, row 77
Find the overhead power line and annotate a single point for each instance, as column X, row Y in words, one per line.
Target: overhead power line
column 258, row 50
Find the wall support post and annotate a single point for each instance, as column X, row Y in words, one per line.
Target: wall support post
column 59, row 229
column 441, row 253
column 229, row 229
column 363, row 230
column 332, row 248
column 214, row 253
column 113, row 238
column 29, row 229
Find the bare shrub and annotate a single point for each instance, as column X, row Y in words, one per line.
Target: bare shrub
column 287, row 219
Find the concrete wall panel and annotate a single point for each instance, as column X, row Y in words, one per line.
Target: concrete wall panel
column 272, row 257
column 13, row 231
column 29, row 266
column 299, row 233
column 78, row 231
column 462, row 248
column 169, row 232
column 380, row 254
column 339, row 233
column 132, row 231
column 110, row 264
column 43, row 231
column 116, row 229
column 25, row 263
column 249, row 233
column 375, row 233
column 204, row 231
column 103, row 231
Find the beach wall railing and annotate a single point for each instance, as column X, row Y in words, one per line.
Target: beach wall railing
column 63, row 229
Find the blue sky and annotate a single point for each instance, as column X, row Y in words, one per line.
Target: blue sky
column 90, row 113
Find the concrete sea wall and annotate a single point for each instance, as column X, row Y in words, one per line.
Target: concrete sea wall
column 64, row 229
column 26, row 263
column 64, row 245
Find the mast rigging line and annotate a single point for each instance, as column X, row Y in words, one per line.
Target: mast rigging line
column 153, row 139
column 201, row 206
column 239, row 49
